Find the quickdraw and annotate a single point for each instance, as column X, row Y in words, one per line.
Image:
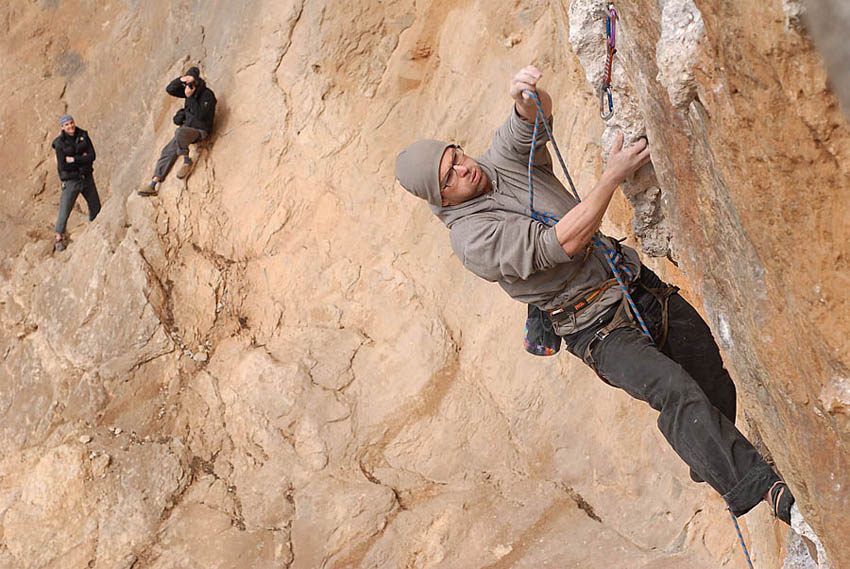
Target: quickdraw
column 610, row 50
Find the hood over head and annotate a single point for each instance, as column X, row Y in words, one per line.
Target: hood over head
column 417, row 169
column 200, row 83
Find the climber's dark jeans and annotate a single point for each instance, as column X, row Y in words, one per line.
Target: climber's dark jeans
column 687, row 383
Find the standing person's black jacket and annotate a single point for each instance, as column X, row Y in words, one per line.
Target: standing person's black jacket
column 81, row 148
column 199, row 109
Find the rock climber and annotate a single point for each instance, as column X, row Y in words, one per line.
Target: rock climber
column 74, row 158
column 485, row 203
column 194, row 123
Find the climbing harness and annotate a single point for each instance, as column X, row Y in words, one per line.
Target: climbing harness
column 582, row 301
column 610, row 50
column 613, row 257
column 662, row 296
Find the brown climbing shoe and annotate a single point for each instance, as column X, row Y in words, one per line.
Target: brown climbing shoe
column 146, row 189
column 59, row 244
column 184, row 169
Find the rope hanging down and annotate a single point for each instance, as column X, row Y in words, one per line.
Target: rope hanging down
column 610, row 50
column 741, row 539
column 613, row 258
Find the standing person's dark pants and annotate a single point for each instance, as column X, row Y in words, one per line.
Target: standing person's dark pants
column 686, row 382
column 178, row 146
column 70, row 190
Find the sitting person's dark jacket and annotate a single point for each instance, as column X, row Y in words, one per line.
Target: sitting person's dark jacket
column 199, row 109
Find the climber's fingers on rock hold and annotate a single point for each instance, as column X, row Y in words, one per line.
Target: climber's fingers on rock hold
column 640, row 148
column 644, row 155
column 623, row 162
column 618, row 142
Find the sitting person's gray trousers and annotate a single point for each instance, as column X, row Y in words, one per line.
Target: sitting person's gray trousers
column 177, row 146
column 687, row 383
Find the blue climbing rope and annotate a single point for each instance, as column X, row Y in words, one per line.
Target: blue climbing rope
column 612, row 257
column 741, row 539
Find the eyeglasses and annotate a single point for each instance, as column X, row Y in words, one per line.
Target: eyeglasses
column 451, row 176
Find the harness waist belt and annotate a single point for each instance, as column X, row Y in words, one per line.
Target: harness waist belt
column 578, row 303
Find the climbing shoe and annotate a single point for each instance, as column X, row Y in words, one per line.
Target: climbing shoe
column 147, row 189
column 780, row 500
column 59, row 244
column 184, row 168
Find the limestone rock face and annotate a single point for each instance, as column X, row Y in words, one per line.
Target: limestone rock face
column 280, row 363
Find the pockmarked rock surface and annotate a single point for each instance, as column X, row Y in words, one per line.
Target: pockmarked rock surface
column 279, row 362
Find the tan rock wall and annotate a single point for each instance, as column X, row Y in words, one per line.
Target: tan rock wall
column 279, row 363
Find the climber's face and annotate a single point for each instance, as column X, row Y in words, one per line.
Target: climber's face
column 461, row 177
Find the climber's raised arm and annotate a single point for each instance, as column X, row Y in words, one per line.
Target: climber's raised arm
column 580, row 223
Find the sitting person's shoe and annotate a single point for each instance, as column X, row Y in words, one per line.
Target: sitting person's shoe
column 184, row 168
column 147, row 189
column 780, row 500
column 59, row 244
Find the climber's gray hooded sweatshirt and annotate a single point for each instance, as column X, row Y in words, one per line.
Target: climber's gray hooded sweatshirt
column 494, row 235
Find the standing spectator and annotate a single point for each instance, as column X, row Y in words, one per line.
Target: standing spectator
column 74, row 158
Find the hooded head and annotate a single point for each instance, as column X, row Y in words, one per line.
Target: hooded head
column 418, row 169
column 199, row 83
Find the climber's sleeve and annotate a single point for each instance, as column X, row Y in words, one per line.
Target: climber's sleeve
column 497, row 248
column 512, row 141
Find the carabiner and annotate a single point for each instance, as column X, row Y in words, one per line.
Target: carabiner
column 605, row 93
